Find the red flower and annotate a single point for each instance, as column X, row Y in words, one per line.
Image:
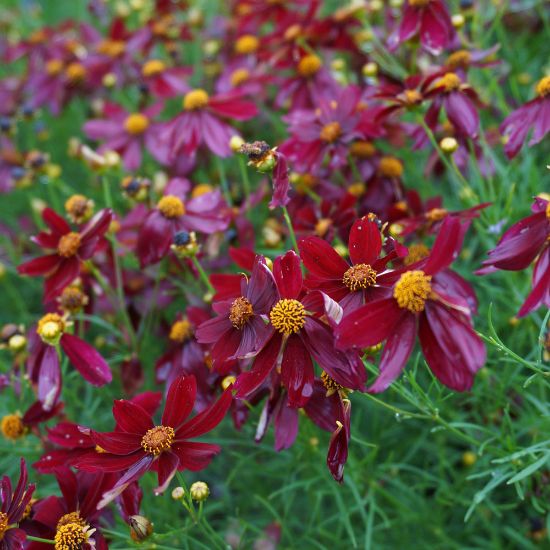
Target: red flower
column 162, row 81
column 534, row 114
column 525, row 241
column 428, row 299
column 139, row 445
column 201, row 122
column 71, row 248
column 428, row 18
column 297, row 335
column 366, row 279
column 12, row 509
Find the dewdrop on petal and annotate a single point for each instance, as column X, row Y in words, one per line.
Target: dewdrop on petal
column 140, row 528
column 178, row 493
column 448, row 145
column 199, row 491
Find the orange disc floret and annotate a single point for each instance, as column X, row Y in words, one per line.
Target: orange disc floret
column 246, row 44
column 412, row 290
column 71, row 517
column 69, row 244
column 330, row 384
column 153, row 67
column 359, row 277
column 449, row 81
column 417, row 251
column 112, row 48
column 171, row 207
column 50, row 328
column 158, row 439
column 390, row 167
column 72, row 536
column 309, row 65
column 240, row 312
column 75, row 72
column 543, row 87
column 12, row 427
column 288, row 316
column 136, row 123
column 79, row 208
column 412, row 97
column 4, row 524
column 195, row 99
column 181, row 331
column 436, row 214
column 239, row 76
column 331, row 132
column 54, row 67
column 362, row 149
column 419, row 3
column 460, row 59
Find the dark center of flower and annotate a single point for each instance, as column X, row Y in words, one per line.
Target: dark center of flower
column 459, row 60
column 71, row 536
column 68, row 244
column 417, row 251
column 412, row 290
column 3, row 524
column 543, row 86
column 158, row 439
column 12, row 427
column 359, row 276
column 153, row 67
column 330, row 132
column 436, row 214
column 181, row 331
column 72, row 299
column 171, row 207
column 449, row 81
column 288, row 316
column 136, row 124
column 309, row 66
column 330, row 384
column 390, row 167
column 195, row 99
column 241, row 311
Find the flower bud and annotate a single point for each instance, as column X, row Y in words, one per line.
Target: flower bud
column 458, row 20
column 448, row 145
column 235, row 143
column 199, row 491
column 17, row 342
column 140, row 528
column 227, row 381
column 469, row 459
column 178, row 493
column 370, row 69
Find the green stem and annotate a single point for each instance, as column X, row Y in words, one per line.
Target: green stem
column 38, row 539
column 223, row 181
column 203, row 275
column 244, row 176
column 290, row 229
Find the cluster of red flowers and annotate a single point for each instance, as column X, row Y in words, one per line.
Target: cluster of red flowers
column 295, row 329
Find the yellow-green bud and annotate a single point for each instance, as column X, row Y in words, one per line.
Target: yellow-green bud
column 448, row 145
column 199, row 491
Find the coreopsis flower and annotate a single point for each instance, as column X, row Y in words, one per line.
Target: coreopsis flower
column 62, row 267
column 533, row 115
column 459, row 100
column 203, row 121
column 44, row 364
column 163, row 81
column 240, row 328
column 12, row 509
column 426, row 300
column 72, row 520
column 14, row 426
column 526, row 241
column 298, row 334
column 127, row 134
column 427, row 19
column 366, row 279
column 139, row 445
column 175, row 214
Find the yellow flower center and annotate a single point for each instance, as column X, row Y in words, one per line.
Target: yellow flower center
column 239, row 76
column 436, row 214
column 543, row 86
column 50, row 327
column 417, row 251
column 309, row 65
column 158, row 439
column 112, row 48
column 72, row 299
column 171, row 207
column 153, row 67
column 195, row 99
column 412, row 97
column 419, row 3
column 79, row 208
column 460, row 59
column 331, row 132
column 357, row 189
column 3, row 524
column 322, row 226
column 68, row 244
column 54, row 67
column 330, row 384
column 449, row 81
column 181, row 331
column 390, row 167
column 241, row 311
column 548, row 210
column 412, row 290
column 201, row 189
column 136, row 124
column 246, row 44
column 359, row 276
column 362, row 149
column 288, row 316
column 12, row 427
column 71, row 536
column 71, row 517
column 75, row 72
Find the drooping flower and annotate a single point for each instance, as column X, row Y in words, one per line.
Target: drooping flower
column 139, row 445
column 535, row 114
column 428, row 299
column 62, row 267
column 526, row 241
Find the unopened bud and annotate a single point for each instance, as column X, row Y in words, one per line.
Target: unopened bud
column 370, row 69
column 448, row 145
column 178, row 493
column 17, row 342
column 236, row 142
column 199, row 491
column 140, row 528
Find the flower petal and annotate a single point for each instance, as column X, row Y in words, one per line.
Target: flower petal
column 365, row 242
column 179, row 401
column 87, row 360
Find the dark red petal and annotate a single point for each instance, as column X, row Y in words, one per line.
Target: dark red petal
column 337, row 454
column 462, row 113
column 87, row 360
column 194, row 455
column 396, row 352
column 541, row 285
column 321, row 259
column 179, row 401
column 436, row 28
column 55, row 222
column 368, row 325
column 104, row 462
column 286, row 425
column 281, row 183
column 288, row 275
column 39, row 266
column 154, row 238
column 447, row 245
column 97, row 226
column 131, row 418
column 261, row 290
column 117, row 443
column 365, row 242
column 67, row 271
column 323, row 410
column 297, row 372
column 167, row 466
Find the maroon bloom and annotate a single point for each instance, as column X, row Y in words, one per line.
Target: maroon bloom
column 430, row 20
column 429, row 299
column 162, row 81
column 525, row 241
column 297, row 334
column 139, row 445
column 71, row 248
column 534, row 114
column 366, row 279
column 12, row 510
